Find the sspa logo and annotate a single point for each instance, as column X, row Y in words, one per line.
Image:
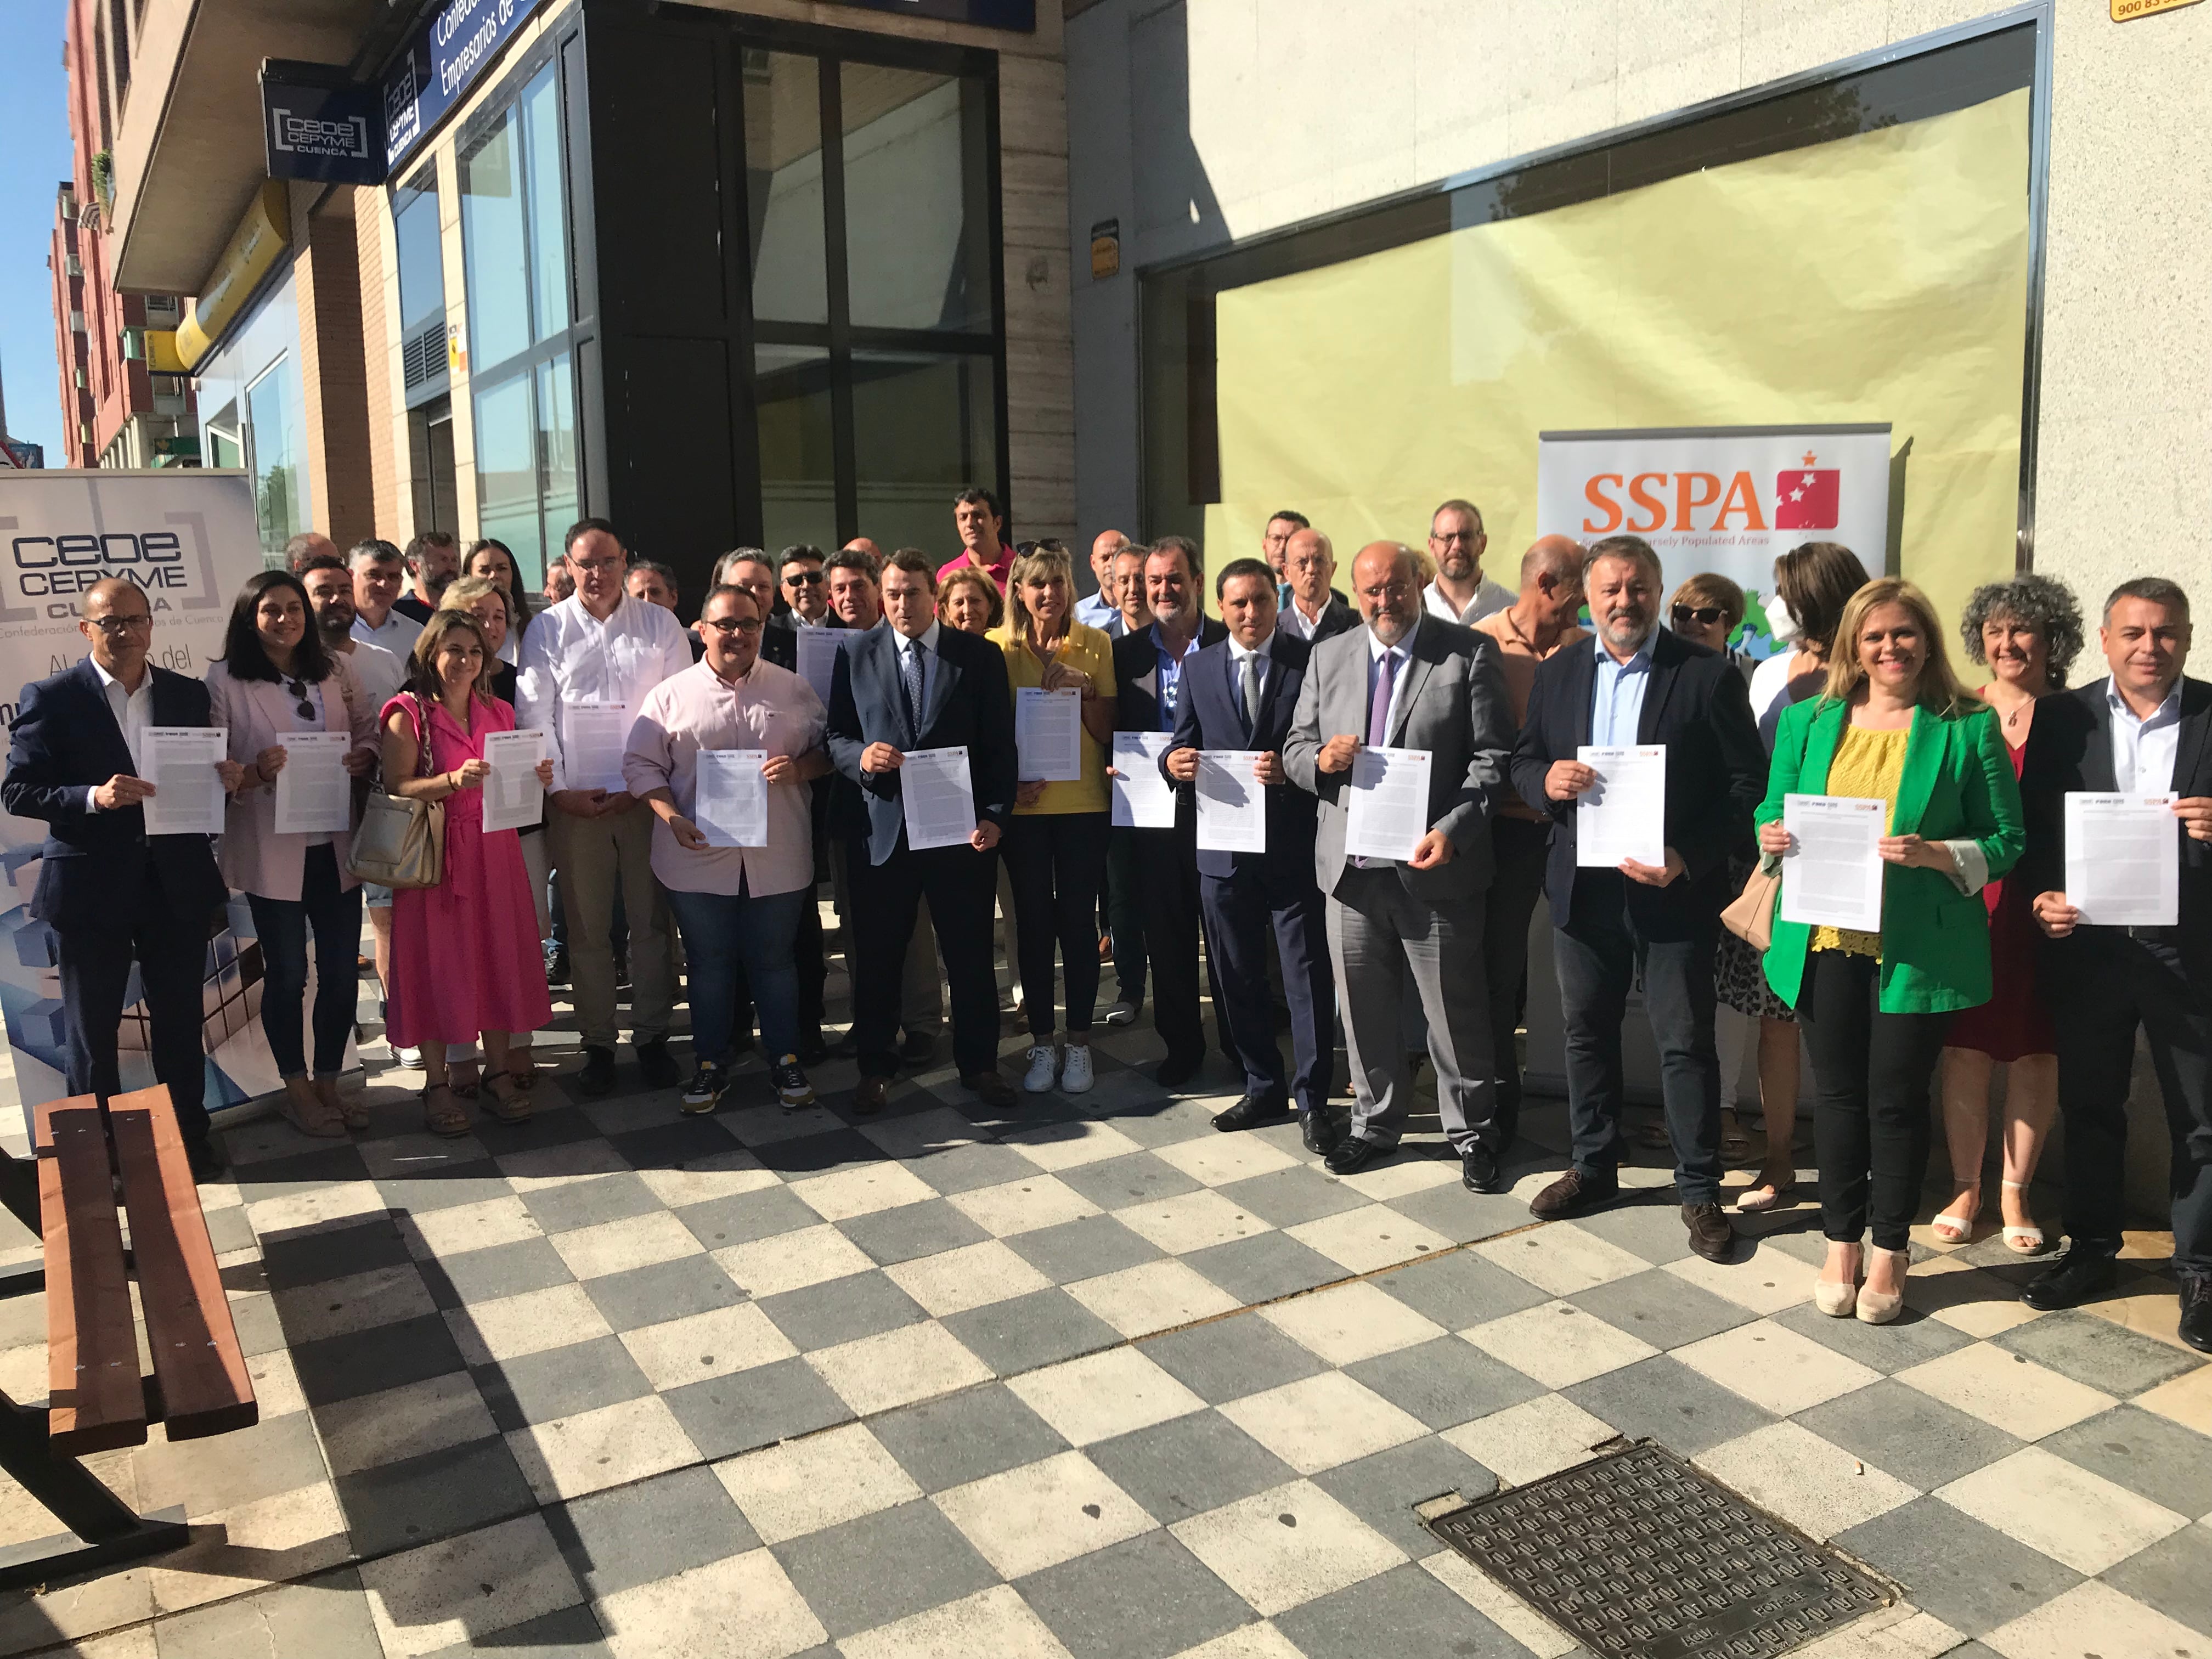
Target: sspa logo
column 1687, row 503
column 1809, row 498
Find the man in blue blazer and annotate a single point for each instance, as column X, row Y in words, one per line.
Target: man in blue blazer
column 913, row 683
column 1241, row 693
column 108, row 890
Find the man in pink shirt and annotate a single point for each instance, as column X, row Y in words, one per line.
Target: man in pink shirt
column 736, row 882
column 976, row 514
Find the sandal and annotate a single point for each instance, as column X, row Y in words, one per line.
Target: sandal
column 508, row 1103
column 352, row 1109
column 1951, row 1228
column 1770, row 1192
column 305, row 1110
column 2022, row 1241
column 441, row 1112
column 463, row 1077
column 525, row 1077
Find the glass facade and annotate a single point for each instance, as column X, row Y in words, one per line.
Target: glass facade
column 875, row 285
column 258, row 419
column 514, row 238
column 419, row 245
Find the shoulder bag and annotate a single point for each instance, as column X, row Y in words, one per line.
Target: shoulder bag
column 1750, row 916
column 402, row 843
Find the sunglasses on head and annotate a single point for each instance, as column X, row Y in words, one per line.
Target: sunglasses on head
column 1705, row 616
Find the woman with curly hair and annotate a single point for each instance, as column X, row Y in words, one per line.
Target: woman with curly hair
column 2029, row 631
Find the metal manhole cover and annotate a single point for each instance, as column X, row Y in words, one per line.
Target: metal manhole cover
column 1640, row 1556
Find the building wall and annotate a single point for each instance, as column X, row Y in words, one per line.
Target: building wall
column 1203, row 121
column 70, row 356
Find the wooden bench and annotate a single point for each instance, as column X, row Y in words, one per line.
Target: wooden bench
column 98, row 1397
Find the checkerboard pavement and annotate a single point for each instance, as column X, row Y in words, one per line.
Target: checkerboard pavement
column 1086, row 1378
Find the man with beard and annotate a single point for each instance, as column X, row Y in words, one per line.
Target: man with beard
column 434, row 559
column 330, row 592
column 1401, row 931
column 1656, row 923
column 1461, row 592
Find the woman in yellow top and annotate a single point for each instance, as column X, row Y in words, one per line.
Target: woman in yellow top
column 1055, row 848
column 1894, row 724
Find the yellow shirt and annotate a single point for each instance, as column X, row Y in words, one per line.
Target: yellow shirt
column 1090, row 651
column 1868, row 766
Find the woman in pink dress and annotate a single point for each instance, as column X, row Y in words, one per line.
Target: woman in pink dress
column 465, row 960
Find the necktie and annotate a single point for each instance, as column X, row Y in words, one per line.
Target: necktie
column 1250, row 673
column 910, row 673
column 1378, row 711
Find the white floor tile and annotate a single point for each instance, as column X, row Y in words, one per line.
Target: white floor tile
column 1323, row 1421
column 1069, row 1145
column 862, row 1191
column 973, row 1276
column 1153, row 1295
column 1041, row 1514
column 1773, row 1367
column 793, row 1260
column 995, row 1622
column 1190, row 1221
column 1768, row 1281
column 1562, row 1258
column 468, row 1227
column 1533, row 1439
column 1103, row 1394
column 2092, row 1617
column 817, row 1481
column 699, row 1346
column 1557, row 1343
column 514, row 1327
column 2007, row 1390
column 1023, row 1206
column 896, row 1367
column 371, row 1430
column 1216, row 1159
column 1369, row 1237
column 1818, row 1488
column 617, row 1247
column 2072, row 1515
column 1348, row 1324
column 741, row 1606
column 1281, row 1548
column 590, row 1451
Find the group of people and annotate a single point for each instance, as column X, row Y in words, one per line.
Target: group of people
column 1980, row 961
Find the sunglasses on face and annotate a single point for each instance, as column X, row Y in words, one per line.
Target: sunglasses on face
column 1704, row 615
column 803, row 579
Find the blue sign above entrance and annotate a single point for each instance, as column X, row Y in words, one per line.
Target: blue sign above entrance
column 318, row 124
column 983, row 14
column 441, row 64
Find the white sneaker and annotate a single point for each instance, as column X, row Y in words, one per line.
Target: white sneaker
column 1117, row 1013
column 1043, row 1064
column 410, row 1059
column 1075, row 1073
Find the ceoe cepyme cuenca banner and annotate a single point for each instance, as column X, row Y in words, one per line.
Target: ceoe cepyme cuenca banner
column 1726, row 499
column 190, row 539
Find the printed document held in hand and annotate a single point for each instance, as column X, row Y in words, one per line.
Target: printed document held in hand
column 1143, row 799
column 1624, row 815
column 729, row 801
column 179, row 762
column 314, row 792
column 939, row 796
column 512, row 797
column 1831, row 875
column 1232, row 803
column 592, row 738
column 1388, row 803
column 2123, row 859
column 1049, row 735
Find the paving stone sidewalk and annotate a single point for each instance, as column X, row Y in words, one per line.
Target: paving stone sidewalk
column 1085, row 1379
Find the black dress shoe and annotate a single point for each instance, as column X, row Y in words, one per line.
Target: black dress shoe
column 1178, row 1069
column 1573, row 1194
column 2080, row 1274
column 1353, row 1154
column 1711, row 1236
column 917, row 1048
column 656, row 1065
column 2196, row 1311
column 813, row 1050
column 598, row 1076
column 1251, row 1112
column 203, row 1157
column 1321, row 1133
column 1479, row 1171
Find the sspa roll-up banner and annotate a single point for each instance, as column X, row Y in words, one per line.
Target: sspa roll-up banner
column 1725, row 499
column 189, row 538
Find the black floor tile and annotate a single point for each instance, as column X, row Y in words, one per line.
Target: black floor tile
column 398, row 1505
column 1404, row 1611
column 487, row 1275
column 666, row 1290
column 1037, row 1329
column 726, row 1415
column 636, row 1534
column 559, row 1382
column 883, row 1567
column 1188, row 1465
column 1146, row 1597
column 368, row 1362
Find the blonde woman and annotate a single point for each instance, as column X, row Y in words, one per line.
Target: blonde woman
column 1055, row 846
column 1891, row 723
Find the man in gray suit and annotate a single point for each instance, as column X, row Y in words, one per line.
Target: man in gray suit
column 1409, row 680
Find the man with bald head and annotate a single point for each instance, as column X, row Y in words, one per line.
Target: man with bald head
column 1098, row 609
column 1312, row 610
column 111, row 892
column 1410, row 930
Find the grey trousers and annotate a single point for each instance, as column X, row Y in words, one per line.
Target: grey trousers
column 595, row 856
column 1389, row 948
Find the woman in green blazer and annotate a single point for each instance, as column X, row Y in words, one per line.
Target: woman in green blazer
column 1891, row 723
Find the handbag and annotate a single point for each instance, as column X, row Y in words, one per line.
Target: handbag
column 1750, row 916
column 402, row 843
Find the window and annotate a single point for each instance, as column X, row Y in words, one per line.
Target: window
column 877, row 363
column 514, row 236
column 430, row 455
column 280, row 479
column 421, row 282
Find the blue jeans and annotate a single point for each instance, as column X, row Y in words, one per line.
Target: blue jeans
column 334, row 913
column 723, row 931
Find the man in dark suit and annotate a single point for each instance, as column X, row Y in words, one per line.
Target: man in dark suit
column 1312, row 609
column 918, row 684
column 1410, row 929
column 1241, row 693
column 109, row 891
column 1637, row 684
column 2144, row 730
column 1149, row 668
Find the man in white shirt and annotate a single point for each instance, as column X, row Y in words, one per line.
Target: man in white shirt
column 1098, row 609
column 600, row 648
column 1315, row 611
column 1461, row 592
column 378, row 572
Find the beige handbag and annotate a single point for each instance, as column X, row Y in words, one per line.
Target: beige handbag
column 1751, row 916
column 402, row 843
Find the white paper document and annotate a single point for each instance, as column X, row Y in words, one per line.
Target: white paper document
column 1143, row 799
column 729, row 800
column 1388, row 803
column 1624, row 816
column 512, row 797
column 1049, row 735
column 1232, row 803
column 314, row 794
column 1831, row 875
column 940, row 797
column 179, row 762
column 2123, row 859
column 818, row 656
column 592, row 738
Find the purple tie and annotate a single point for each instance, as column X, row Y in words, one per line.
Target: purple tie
column 1378, row 710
